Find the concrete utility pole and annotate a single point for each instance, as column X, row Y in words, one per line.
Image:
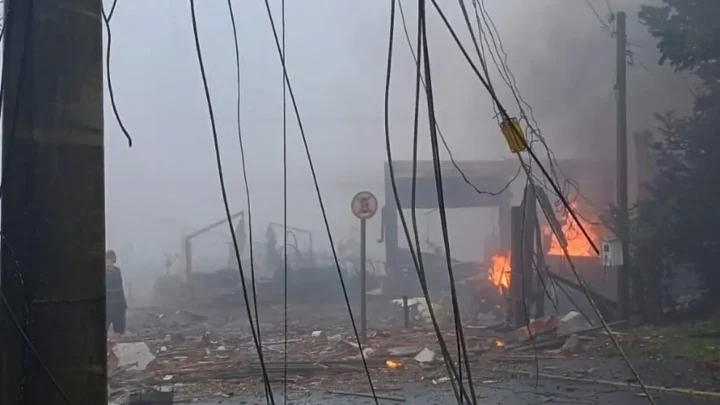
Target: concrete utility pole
column 623, row 283
column 53, row 205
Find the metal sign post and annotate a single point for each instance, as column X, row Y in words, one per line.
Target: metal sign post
column 364, row 205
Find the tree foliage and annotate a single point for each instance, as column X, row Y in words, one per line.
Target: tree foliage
column 680, row 222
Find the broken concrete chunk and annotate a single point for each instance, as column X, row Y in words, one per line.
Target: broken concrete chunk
column 544, row 325
column 136, row 352
column 571, row 323
column 316, row 333
column 425, row 356
column 335, row 338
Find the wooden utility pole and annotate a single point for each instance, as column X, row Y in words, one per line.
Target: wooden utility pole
column 623, row 283
column 53, row 205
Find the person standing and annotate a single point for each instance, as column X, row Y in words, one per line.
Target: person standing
column 116, row 305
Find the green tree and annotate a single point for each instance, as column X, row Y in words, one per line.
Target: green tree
column 680, row 222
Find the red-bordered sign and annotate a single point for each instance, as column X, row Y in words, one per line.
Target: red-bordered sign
column 364, row 205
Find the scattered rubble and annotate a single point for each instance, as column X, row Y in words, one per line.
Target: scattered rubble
column 196, row 356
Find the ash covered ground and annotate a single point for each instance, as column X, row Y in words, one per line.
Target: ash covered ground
column 208, row 356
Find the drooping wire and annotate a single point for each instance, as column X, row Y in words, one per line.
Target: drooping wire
column 440, row 134
column 504, row 114
column 285, row 207
column 598, row 313
column 417, row 258
column 441, row 203
column 245, row 180
column 112, row 10
column 226, row 203
column 106, row 18
column 319, row 195
column 560, row 196
column 603, row 24
column 499, row 56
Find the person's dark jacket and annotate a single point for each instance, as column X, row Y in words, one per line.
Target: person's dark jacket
column 114, row 290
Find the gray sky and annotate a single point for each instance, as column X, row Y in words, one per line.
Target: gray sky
column 167, row 183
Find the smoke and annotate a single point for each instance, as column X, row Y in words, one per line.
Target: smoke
column 337, row 53
column 563, row 57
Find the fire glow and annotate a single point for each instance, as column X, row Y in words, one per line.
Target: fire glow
column 499, row 272
column 578, row 245
column 393, row 364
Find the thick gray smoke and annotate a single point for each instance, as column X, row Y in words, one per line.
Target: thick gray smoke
column 563, row 57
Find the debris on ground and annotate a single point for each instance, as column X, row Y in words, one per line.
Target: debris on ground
column 425, row 356
column 536, row 327
column 133, row 356
column 216, row 356
column 572, row 345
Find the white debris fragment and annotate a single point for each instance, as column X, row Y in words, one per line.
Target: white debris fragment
column 420, row 305
column 335, row 338
column 136, row 352
column 316, row 333
column 425, row 356
column 571, row 323
column 441, row 380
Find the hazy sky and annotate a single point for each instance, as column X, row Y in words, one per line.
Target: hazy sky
column 167, row 183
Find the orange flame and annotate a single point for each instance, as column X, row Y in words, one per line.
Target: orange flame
column 578, row 245
column 499, row 271
column 499, row 344
column 393, row 364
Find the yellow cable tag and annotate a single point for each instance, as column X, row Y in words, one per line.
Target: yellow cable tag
column 513, row 133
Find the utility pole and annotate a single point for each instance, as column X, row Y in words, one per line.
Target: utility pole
column 53, row 205
column 623, row 283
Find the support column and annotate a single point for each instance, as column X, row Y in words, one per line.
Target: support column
column 53, row 205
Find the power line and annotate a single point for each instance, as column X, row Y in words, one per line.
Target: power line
column 226, row 204
column 506, row 116
column 437, row 125
column 319, row 195
column 285, row 205
column 441, row 205
column 106, row 19
column 501, row 64
column 417, row 258
column 605, row 325
column 604, row 24
column 557, row 192
column 247, row 186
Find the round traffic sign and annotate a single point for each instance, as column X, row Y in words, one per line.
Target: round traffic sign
column 364, row 205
